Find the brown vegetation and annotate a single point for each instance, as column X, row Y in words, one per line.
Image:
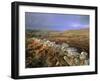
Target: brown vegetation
column 38, row 55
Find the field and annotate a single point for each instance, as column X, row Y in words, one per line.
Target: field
column 41, row 54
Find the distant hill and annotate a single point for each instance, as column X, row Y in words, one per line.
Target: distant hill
column 77, row 32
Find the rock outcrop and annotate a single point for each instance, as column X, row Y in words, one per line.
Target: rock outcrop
column 44, row 53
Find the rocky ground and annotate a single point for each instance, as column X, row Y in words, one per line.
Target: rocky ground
column 44, row 53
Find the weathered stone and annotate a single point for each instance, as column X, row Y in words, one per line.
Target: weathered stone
column 83, row 55
column 54, row 54
column 86, row 62
column 70, row 61
column 76, row 60
column 65, row 45
column 57, row 63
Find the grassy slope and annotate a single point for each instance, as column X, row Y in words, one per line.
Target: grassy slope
column 75, row 38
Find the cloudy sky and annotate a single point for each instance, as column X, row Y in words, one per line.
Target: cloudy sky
column 51, row 21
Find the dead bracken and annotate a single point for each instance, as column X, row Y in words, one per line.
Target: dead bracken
column 44, row 53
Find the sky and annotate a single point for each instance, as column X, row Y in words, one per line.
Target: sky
column 56, row 22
